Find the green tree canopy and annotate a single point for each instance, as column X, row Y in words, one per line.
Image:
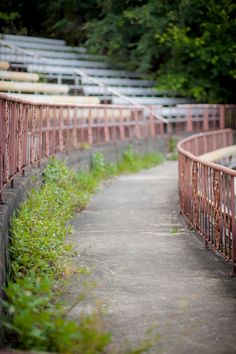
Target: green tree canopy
column 186, row 45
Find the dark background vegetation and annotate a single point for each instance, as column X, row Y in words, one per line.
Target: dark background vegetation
column 185, row 45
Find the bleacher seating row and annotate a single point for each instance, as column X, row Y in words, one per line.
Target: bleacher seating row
column 15, row 86
column 40, row 43
column 36, row 40
column 18, row 76
column 4, row 65
column 63, row 99
column 53, row 54
column 55, row 63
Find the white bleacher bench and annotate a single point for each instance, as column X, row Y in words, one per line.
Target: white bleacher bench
column 4, row 65
column 18, row 76
column 26, row 59
column 197, row 111
column 54, row 54
column 110, row 73
column 166, row 101
column 66, row 55
column 14, row 37
column 180, row 112
column 13, row 86
column 39, row 53
column 32, row 45
column 65, row 99
column 48, row 69
column 54, row 73
column 128, row 91
column 119, row 82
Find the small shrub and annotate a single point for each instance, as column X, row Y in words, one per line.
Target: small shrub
column 98, row 164
column 132, row 162
column 173, row 153
column 39, row 256
column 39, row 324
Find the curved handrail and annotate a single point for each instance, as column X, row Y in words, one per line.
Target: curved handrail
column 211, row 164
column 12, row 97
column 31, row 131
column 207, row 193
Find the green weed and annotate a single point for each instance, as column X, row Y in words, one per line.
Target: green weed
column 132, row 162
column 39, row 256
column 175, row 230
column 172, row 149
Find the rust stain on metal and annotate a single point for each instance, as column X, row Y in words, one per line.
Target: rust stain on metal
column 217, row 207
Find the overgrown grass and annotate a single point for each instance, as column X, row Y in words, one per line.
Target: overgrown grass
column 132, row 162
column 172, row 148
column 39, row 255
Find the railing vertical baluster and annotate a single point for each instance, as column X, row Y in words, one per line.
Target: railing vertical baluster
column 106, row 127
column 121, row 124
column 74, row 133
column 205, row 119
column 61, row 129
column 233, row 230
column 137, row 126
column 189, row 127
column 6, row 119
column 69, row 141
column 20, row 136
column 90, row 132
column 41, row 108
column 32, row 147
column 47, row 143
column 151, row 123
column 54, row 125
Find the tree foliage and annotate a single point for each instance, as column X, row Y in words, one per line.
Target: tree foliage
column 185, row 45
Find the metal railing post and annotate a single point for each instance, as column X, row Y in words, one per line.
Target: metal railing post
column 222, row 117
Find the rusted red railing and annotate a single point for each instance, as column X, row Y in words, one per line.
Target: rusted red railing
column 31, row 131
column 193, row 117
column 207, row 192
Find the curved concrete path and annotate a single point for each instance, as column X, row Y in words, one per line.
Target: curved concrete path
column 150, row 269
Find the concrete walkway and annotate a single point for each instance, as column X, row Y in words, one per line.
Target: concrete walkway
column 150, row 269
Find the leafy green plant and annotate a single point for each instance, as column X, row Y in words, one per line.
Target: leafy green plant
column 172, row 149
column 175, row 230
column 98, row 164
column 40, row 324
column 132, row 162
column 39, row 256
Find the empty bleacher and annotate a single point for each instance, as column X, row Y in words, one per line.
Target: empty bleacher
column 151, row 101
column 128, row 91
column 16, row 86
column 57, row 64
column 54, row 54
column 65, row 99
column 45, row 46
column 17, row 38
column 114, row 81
column 94, row 72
